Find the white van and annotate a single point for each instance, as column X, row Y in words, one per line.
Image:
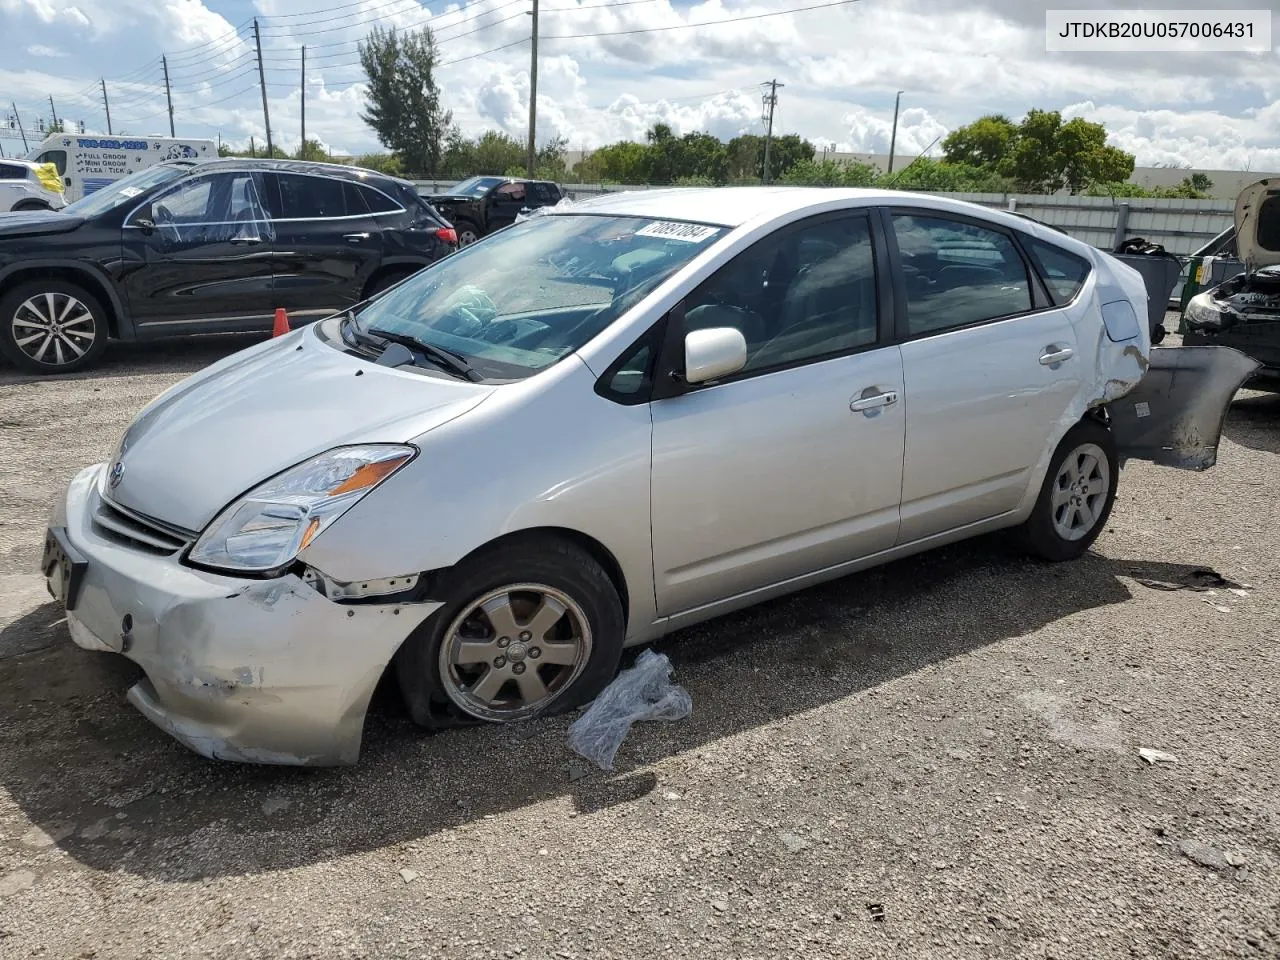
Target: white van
column 88, row 162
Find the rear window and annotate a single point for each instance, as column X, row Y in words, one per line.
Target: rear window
column 1063, row 273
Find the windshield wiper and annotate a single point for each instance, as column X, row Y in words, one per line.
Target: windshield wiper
column 453, row 362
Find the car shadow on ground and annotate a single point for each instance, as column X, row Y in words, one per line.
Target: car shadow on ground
column 178, row 356
column 1254, row 421
column 117, row 794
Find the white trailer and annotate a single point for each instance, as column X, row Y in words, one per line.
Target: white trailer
column 87, row 162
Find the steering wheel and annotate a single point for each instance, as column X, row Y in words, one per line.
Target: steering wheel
column 166, row 222
column 468, row 312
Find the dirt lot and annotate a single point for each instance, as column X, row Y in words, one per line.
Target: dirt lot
column 939, row 758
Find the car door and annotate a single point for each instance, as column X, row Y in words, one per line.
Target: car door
column 327, row 244
column 989, row 364
column 504, row 203
column 794, row 464
column 198, row 256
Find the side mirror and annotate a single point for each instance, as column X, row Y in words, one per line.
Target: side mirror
column 714, row 353
column 146, row 226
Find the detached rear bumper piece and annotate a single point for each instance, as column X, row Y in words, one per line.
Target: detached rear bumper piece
column 1174, row 416
column 259, row 671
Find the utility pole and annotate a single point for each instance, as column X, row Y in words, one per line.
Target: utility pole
column 253, row 152
column 55, row 115
column 168, row 93
column 262, row 80
column 302, row 151
column 106, row 106
column 770, row 103
column 533, row 94
column 893, row 139
column 18, row 117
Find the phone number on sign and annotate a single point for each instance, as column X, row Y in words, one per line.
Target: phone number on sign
column 1203, row 31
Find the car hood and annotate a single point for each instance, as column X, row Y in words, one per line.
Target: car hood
column 1258, row 224
column 29, row 223
column 218, row 434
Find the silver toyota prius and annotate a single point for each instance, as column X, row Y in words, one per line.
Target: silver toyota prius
column 608, row 421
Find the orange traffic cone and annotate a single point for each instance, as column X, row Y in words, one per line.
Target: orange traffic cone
column 281, row 326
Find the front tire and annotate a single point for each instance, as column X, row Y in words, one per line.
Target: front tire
column 52, row 326
column 1076, row 498
column 534, row 628
column 468, row 233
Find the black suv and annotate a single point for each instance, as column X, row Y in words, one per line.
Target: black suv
column 205, row 247
column 482, row 205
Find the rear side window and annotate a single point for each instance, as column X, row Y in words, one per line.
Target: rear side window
column 547, row 193
column 315, row 198
column 376, row 200
column 1064, row 273
column 957, row 273
column 11, row 171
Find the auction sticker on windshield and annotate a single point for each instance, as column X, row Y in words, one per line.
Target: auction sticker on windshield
column 670, row 230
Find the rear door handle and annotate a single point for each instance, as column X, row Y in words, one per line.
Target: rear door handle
column 873, row 401
column 355, row 237
column 246, row 240
column 1054, row 355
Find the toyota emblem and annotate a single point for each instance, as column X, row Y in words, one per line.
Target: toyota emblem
column 116, row 475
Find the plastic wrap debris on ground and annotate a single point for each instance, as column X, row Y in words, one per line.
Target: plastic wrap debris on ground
column 643, row 692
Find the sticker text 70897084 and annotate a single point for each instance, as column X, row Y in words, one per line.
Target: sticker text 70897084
column 671, row 230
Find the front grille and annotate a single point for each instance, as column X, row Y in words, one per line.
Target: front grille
column 136, row 530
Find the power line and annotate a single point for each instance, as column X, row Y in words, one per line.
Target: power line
column 704, row 23
column 347, row 22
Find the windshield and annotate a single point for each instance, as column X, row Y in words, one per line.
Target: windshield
column 523, row 298
column 124, row 190
column 475, row 187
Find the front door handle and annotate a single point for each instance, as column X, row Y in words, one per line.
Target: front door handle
column 355, row 237
column 873, row 401
column 246, row 240
column 1055, row 354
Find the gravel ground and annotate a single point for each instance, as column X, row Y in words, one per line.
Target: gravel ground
column 935, row 759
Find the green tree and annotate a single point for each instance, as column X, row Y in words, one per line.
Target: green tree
column 621, row 162
column 403, row 105
column 829, row 173
column 745, row 156
column 983, row 143
column 387, row 163
column 311, row 150
column 495, row 153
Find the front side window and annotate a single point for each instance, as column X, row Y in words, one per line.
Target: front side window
column 522, row 299
column 957, row 273
column 1064, row 273
column 57, row 157
column 214, row 209
column 802, row 294
column 475, row 187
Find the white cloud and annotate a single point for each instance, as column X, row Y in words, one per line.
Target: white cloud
column 840, row 66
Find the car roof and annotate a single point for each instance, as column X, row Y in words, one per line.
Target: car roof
column 734, row 206
column 340, row 171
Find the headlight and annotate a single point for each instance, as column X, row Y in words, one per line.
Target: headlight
column 269, row 526
column 1203, row 313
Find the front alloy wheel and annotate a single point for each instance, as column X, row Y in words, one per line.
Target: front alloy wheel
column 51, row 327
column 509, row 653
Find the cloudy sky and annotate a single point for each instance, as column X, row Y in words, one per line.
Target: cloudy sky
column 841, row 66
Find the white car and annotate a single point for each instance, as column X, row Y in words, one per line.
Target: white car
column 22, row 189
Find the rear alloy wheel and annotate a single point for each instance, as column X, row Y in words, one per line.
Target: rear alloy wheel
column 1078, row 493
column 52, row 327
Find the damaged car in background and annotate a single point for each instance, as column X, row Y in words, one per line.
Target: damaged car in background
column 600, row 425
column 1244, row 311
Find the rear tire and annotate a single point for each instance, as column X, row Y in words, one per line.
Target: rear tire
column 52, row 326
column 1077, row 495
column 561, row 644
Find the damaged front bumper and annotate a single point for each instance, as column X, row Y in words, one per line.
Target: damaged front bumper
column 259, row 671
